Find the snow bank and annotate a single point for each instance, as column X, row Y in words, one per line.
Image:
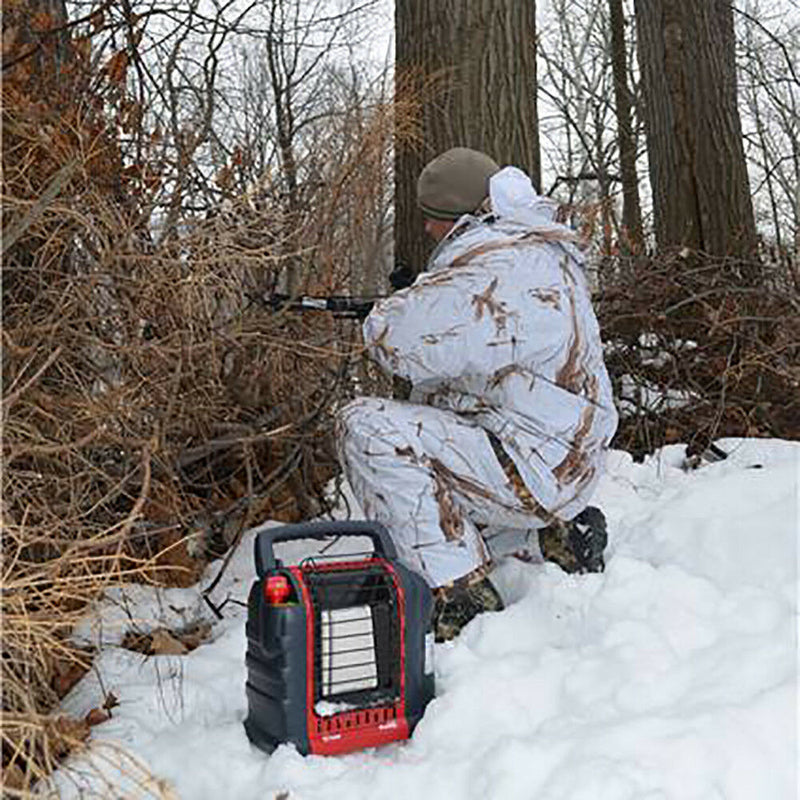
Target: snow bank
column 671, row 675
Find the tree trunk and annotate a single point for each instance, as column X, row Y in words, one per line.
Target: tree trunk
column 468, row 70
column 36, row 45
column 632, row 237
column 701, row 195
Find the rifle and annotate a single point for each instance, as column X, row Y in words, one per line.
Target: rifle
column 339, row 305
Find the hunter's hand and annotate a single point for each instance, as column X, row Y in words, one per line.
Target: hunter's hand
column 402, row 276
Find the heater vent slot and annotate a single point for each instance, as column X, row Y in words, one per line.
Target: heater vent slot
column 357, row 658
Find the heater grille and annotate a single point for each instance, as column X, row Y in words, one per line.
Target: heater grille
column 357, row 659
column 349, row 662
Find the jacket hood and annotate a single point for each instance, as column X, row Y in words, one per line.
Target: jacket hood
column 515, row 200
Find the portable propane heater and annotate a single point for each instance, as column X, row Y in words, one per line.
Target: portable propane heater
column 339, row 649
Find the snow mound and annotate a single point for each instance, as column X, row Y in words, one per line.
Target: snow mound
column 671, row 675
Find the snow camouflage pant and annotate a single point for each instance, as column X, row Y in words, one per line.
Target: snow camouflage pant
column 436, row 483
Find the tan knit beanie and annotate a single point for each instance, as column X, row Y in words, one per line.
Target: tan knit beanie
column 455, row 183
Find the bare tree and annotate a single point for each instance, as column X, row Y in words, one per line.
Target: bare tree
column 578, row 122
column 471, row 68
column 304, row 105
column 769, row 50
column 633, row 237
column 701, row 195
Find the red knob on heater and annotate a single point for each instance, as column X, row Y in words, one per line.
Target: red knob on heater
column 277, row 589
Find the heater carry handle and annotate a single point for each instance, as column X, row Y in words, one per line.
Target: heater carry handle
column 264, row 541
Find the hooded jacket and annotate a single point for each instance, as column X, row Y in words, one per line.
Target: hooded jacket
column 500, row 330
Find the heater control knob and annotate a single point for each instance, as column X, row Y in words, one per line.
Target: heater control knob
column 277, row 589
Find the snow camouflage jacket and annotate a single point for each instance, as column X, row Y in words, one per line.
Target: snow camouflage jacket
column 501, row 331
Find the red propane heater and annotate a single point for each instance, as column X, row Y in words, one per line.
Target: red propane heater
column 339, row 649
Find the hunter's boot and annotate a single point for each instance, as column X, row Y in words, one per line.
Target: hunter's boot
column 577, row 545
column 462, row 600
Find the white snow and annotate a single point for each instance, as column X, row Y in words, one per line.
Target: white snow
column 637, row 395
column 671, row 675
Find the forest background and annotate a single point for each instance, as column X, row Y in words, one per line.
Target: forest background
column 166, row 166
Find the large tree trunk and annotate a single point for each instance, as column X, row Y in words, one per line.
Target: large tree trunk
column 36, row 45
column 701, row 195
column 633, row 237
column 469, row 66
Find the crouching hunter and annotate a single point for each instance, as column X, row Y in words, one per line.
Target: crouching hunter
column 504, row 435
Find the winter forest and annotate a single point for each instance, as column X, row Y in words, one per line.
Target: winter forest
column 169, row 168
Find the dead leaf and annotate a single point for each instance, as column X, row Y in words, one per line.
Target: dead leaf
column 195, row 635
column 10, row 35
column 117, row 67
column 165, row 644
column 83, row 46
column 41, row 22
column 66, row 676
column 66, row 733
column 224, row 177
column 13, row 777
column 138, row 642
column 97, row 716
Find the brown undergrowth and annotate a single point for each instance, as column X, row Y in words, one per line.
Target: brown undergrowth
column 700, row 348
column 152, row 407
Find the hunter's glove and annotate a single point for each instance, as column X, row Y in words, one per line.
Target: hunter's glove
column 402, row 276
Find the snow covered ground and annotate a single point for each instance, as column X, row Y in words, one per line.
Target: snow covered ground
column 672, row 675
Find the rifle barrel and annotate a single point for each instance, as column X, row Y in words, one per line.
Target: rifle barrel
column 338, row 305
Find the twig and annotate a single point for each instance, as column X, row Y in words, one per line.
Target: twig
column 286, row 468
column 9, row 401
column 118, row 532
column 57, row 182
column 54, row 449
column 195, row 453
